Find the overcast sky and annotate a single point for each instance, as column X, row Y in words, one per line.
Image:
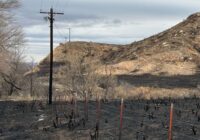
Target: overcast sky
column 107, row 21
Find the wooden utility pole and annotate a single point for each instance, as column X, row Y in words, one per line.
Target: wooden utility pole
column 69, row 35
column 51, row 19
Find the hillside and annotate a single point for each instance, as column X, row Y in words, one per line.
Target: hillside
column 164, row 64
column 172, row 52
column 91, row 51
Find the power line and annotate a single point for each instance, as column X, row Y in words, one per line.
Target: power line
column 63, row 34
column 59, row 32
column 41, row 5
column 67, row 3
column 57, row 4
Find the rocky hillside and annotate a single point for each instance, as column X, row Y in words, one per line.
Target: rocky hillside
column 175, row 51
column 89, row 50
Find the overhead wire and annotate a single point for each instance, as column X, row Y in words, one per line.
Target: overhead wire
column 67, row 3
column 57, row 4
column 59, row 32
column 41, row 4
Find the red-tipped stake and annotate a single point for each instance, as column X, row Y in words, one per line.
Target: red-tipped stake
column 59, row 103
column 55, row 106
column 97, row 117
column 170, row 122
column 75, row 105
column 98, row 108
column 121, row 118
column 86, row 108
column 59, row 98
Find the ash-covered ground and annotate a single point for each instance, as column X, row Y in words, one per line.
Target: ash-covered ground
column 67, row 120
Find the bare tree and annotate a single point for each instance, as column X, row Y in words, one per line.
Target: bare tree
column 14, row 74
column 11, row 42
column 108, row 83
column 79, row 74
column 10, row 32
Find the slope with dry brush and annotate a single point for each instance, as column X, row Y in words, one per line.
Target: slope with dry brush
column 170, row 58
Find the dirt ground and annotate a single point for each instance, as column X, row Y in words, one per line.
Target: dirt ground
column 142, row 120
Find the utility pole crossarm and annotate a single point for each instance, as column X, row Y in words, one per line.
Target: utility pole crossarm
column 54, row 13
column 58, row 13
column 44, row 12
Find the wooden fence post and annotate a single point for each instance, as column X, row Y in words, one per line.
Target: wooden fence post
column 170, row 122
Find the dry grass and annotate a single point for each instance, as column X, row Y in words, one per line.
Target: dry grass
column 154, row 93
column 167, row 63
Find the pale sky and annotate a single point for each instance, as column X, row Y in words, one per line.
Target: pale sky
column 105, row 21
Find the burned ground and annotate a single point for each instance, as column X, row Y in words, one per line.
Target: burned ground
column 142, row 119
